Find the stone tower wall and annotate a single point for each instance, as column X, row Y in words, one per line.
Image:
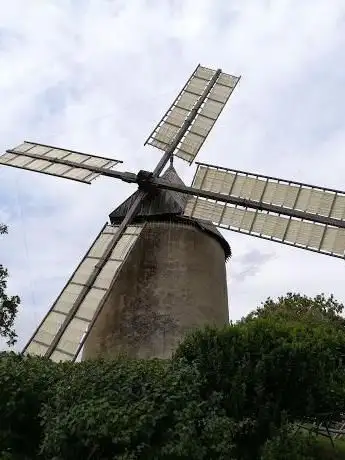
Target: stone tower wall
column 173, row 281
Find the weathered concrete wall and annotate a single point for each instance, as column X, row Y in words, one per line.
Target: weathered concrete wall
column 174, row 280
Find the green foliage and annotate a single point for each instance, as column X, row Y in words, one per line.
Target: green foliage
column 288, row 445
column 225, row 394
column 321, row 310
column 8, row 305
column 269, row 365
column 25, row 383
column 266, row 371
column 130, row 409
column 325, row 451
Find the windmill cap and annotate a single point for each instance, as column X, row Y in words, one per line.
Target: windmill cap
column 166, row 205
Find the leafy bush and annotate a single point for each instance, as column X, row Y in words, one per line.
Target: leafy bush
column 266, row 371
column 319, row 310
column 270, row 366
column 290, row 446
column 8, row 304
column 134, row 409
column 225, row 394
column 25, row 384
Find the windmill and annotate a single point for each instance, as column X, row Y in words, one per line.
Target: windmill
column 157, row 269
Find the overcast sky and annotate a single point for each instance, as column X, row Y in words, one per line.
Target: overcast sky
column 97, row 75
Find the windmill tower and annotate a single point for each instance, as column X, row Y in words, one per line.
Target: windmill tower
column 158, row 269
column 173, row 280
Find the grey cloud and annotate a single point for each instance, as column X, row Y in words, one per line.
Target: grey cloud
column 250, row 264
column 254, row 257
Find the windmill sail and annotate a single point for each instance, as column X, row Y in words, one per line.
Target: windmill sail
column 169, row 127
column 62, row 332
column 56, row 161
column 287, row 212
column 313, row 236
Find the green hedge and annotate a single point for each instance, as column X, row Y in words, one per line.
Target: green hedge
column 270, row 372
column 288, row 445
column 225, row 394
column 269, row 365
column 129, row 409
column 25, row 385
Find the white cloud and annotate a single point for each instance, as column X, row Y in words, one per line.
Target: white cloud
column 97, row 75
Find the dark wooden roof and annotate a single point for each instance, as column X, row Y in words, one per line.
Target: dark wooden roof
column 167, row 205
column 162, row 202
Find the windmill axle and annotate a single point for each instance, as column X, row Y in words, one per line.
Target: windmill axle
column 144, row 180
